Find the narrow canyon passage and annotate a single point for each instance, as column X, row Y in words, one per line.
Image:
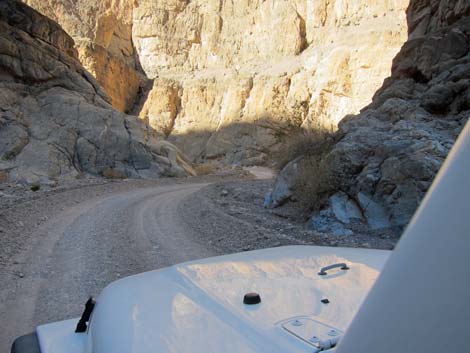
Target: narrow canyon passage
column 86, row 247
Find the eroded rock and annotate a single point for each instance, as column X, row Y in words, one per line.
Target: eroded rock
column 55, row 120
column 284, row 186
column 386, row 157
column 344, row 209
column 102, row 31
column 389, row 154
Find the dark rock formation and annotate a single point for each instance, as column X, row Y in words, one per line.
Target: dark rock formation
column 55, row 120
column 390, row 152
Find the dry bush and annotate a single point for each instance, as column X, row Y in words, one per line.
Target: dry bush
column 303, row 143
column 205, row 169
column 315, row 181
column 110, row 173
column 3, row 176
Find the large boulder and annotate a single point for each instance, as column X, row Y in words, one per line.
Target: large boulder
column 283, row 190
column 55, row 120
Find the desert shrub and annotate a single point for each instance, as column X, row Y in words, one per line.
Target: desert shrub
column 35, row 187
column 170, row 173
column 315, row 181
column 110, row 173
column 303, row 143
column 205, row 169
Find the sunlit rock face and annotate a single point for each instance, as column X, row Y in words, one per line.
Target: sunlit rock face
column 230, row 76
column 102, row 31
column 55, row 120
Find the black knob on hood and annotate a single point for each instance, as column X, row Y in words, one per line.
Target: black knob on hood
column 251, row 299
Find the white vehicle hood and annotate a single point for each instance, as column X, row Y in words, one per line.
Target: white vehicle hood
column 197, row 307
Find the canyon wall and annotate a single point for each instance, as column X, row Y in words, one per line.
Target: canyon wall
column 56, row 121
column 386, row 157
column 231, row 78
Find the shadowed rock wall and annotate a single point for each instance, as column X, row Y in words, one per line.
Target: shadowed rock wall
column 387, row 156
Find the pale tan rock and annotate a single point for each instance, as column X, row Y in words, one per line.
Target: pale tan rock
column 120, row 81
column 102, row 31
column 182, row 36
column 166, row 103
column 245, row 66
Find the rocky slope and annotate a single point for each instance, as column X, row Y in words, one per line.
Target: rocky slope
column 387, row 156
column 231, row 77
column 55, row 120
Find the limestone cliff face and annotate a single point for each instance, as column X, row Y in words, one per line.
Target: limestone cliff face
column 55, row 119
column 102, row 31
column 231, row 76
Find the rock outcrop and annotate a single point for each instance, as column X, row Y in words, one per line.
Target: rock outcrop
column 102, row 31
column 388, row 155
column 55, row 119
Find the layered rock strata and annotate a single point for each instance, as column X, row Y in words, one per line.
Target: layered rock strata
column 231, row 78
column 55, row 120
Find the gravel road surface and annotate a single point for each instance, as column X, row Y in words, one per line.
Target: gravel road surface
column 80, row 250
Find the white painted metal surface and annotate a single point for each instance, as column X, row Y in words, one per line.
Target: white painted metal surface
column 198, row 307
column 420, row 303
column 61, row 337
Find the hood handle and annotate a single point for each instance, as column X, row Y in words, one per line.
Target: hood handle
column 341, row 265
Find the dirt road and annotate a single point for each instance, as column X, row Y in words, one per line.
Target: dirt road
column 82, row 249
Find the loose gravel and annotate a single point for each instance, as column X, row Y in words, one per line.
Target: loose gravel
column 232, row 218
